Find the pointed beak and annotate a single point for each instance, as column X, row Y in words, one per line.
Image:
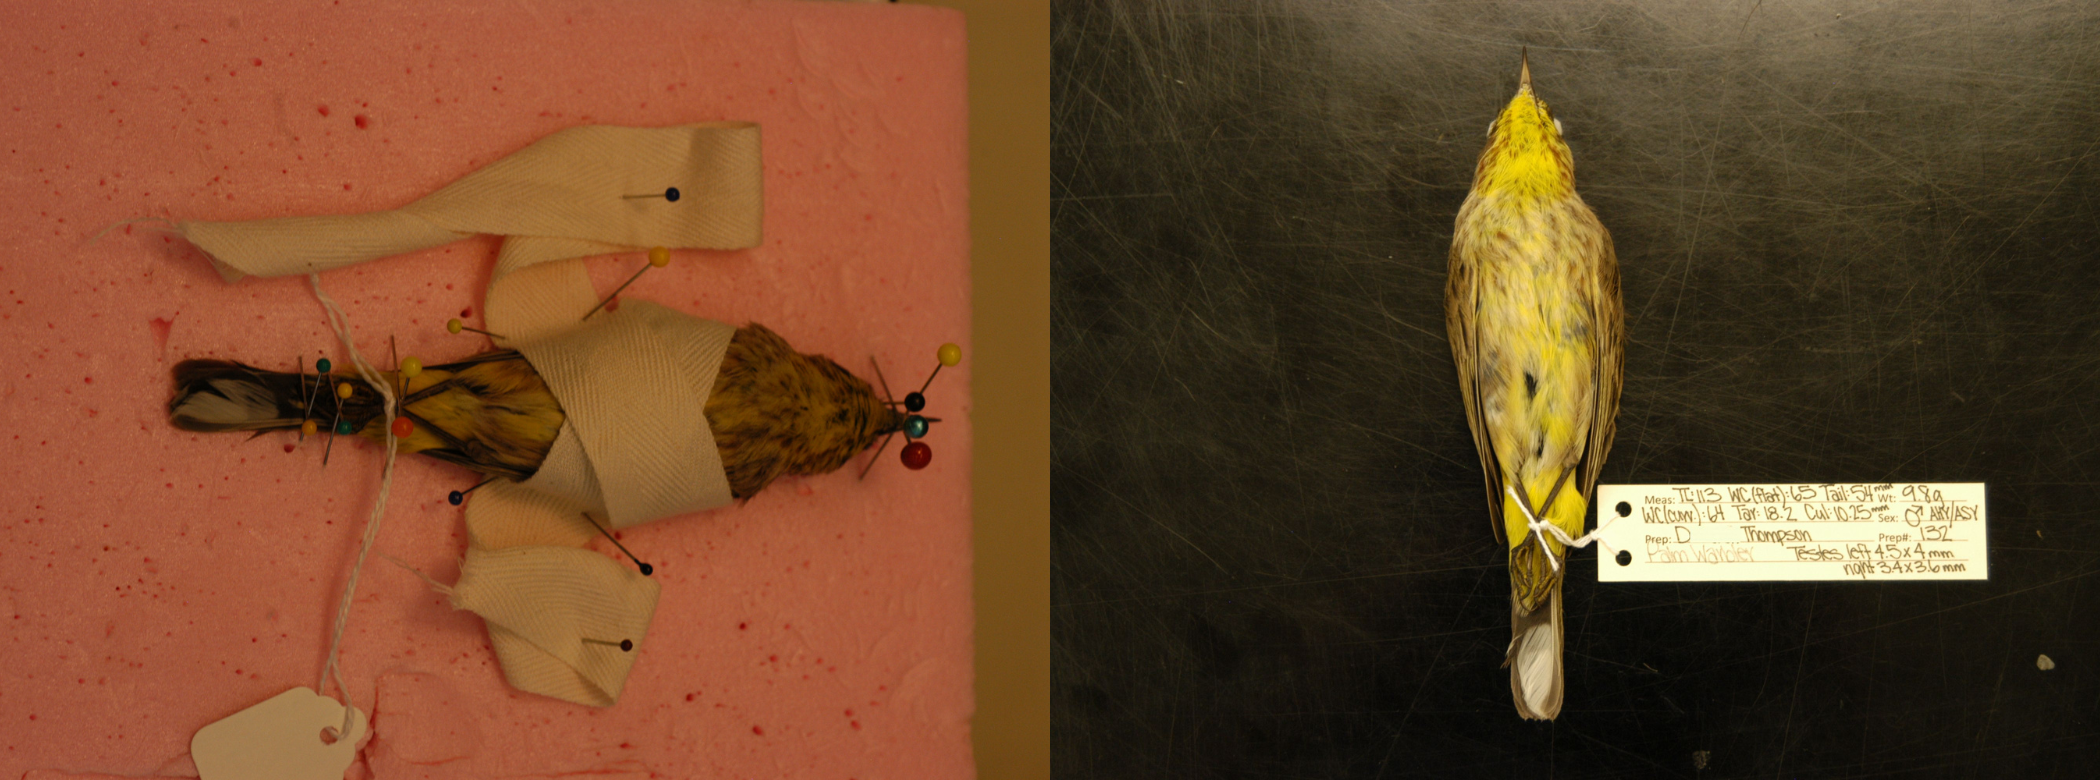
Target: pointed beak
column 1524, row 77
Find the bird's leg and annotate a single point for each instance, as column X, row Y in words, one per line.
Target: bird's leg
column 439, row 387
column 1550, row 494
column 427, row 392
column 422, row 424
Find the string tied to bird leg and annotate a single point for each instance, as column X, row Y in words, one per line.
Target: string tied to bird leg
column 340, row 324
column 1540, row 527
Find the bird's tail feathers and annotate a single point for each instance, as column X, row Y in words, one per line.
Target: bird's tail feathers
column 220, row 395
column 1534, row 658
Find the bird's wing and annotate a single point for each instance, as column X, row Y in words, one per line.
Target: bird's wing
column 1461, row 300
column 1608, row 311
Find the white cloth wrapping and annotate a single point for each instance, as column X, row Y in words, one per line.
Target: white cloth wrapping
column 566, row 191
column 633, row 382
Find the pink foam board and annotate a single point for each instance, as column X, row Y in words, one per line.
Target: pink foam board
column 153, row 581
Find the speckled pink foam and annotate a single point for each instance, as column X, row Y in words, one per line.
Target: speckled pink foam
column 153, row 581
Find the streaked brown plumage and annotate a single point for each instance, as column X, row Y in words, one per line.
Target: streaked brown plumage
column 774, row 411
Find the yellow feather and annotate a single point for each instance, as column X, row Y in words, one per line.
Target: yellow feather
column 494, row 416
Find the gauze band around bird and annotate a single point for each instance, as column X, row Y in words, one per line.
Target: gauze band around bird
column 634, row 386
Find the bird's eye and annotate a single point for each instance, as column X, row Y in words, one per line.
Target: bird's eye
column 1558, row 129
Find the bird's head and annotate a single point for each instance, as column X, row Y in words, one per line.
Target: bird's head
column 1525, row 156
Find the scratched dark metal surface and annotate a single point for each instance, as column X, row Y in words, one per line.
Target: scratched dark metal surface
column 1859, row 242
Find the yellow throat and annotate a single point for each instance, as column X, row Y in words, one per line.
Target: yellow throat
column 1525, row 158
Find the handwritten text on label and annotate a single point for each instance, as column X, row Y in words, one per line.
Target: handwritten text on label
column 1810, row 531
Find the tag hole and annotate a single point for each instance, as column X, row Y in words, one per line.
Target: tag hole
column 1624, row 558
column 1624, row 509
column 328, row 735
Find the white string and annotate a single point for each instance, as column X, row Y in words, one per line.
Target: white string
column 171, row 229
column 340, row 324
column 1539, row 528
column 434, row 584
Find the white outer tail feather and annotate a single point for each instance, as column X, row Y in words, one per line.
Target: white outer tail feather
column 244, row 404
column 1534, row 660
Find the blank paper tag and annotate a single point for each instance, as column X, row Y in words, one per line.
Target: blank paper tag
column 1841, row 531
column 279, row 739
